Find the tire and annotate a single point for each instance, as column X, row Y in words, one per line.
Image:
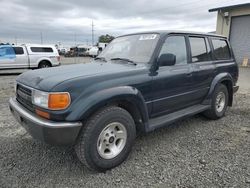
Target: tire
column 44, row 64
column 218, row 109
column 94, row 138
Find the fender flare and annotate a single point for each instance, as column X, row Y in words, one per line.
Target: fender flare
column 218, row 79
column 85, row 106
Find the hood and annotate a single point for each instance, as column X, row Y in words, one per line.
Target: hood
column 46, row 79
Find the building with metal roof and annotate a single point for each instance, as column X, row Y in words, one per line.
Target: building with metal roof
column 234, row 23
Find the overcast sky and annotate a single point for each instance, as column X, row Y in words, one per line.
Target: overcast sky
column 69, row 21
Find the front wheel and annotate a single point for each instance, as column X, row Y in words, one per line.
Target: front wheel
column 219, row 103
column 106, row 139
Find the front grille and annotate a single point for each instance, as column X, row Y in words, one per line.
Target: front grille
column 23, row 96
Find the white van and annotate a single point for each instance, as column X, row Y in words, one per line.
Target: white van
column 28, row 56
column 94, row 51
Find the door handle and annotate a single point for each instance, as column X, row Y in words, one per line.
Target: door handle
column 189, row 74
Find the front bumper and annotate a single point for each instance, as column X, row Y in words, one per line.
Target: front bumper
column 55, row 133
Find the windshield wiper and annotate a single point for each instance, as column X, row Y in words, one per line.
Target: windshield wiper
column 124, row 59
column 101, row 58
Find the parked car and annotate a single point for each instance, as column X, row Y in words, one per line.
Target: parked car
column 28, row 56
column 73, row 52
column 62, row 51
column 83, row 50
column 139, row 83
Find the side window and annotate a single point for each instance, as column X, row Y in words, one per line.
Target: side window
column 41, row 49
column 221, row 49
column 199, row 49
column 18, row 50
column 7, row 52
column 175, row 45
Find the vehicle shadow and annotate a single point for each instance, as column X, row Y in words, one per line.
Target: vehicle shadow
column 10, row 74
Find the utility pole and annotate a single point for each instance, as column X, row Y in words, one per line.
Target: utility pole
column 92, row 33
column 75, row 49
column 16, row 40
column 75, row 38
column 41, row 36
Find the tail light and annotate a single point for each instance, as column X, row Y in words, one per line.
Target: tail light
column 58, row 58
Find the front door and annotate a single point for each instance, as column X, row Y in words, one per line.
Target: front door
column 172, row 85
column 7, row 57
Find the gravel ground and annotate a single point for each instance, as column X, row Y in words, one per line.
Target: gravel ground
column 194, row 152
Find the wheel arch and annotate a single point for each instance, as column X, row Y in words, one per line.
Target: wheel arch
column 225, row 79
column 44, row 61
column 126, row 97
column 229, row 86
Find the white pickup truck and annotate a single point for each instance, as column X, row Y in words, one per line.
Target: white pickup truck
column 28, row 56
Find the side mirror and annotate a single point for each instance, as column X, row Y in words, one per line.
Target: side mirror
column 167, row 60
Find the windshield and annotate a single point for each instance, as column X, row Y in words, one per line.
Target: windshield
column 138, row 48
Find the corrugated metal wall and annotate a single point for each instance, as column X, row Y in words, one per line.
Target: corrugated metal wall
column 240, row 37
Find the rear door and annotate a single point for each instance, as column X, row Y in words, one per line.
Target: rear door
column 22, row 60
column 172, row 85
column 203, row 66
column 223, row 57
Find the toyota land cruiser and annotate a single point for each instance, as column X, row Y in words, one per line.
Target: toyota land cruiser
column 139, row 83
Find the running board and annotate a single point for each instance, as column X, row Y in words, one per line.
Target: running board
column 170, row 118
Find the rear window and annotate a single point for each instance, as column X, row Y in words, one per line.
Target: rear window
column 221, row 49
column 41, row 49
column 199, row 49
column 18, row 50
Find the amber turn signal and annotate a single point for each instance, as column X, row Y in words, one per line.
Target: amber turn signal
column 58, row 101
column 43, row 114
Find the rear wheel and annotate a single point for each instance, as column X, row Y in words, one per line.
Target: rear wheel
column 106, row 139
column 44, row 64
column 219, row 103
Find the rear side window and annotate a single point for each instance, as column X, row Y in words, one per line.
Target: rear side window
column 175, row 45
column 199, row 49
column 41, row 49
column 18, row 50
column 221, row 49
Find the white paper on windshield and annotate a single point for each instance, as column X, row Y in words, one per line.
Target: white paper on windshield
column 148, row 37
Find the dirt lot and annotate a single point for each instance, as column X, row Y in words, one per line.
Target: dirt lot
column 191, row 153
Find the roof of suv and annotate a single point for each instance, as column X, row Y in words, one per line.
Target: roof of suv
column 165, row 32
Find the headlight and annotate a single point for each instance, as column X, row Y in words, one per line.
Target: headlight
column 40, row 98
column 51, row 101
